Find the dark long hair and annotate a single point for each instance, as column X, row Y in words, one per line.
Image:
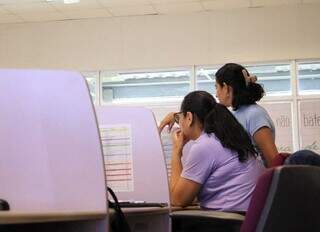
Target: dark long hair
column 243, row 93
column 217, row 119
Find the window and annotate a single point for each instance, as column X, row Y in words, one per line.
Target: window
column 154, row 86
column 206, row 79
column 275, row 78
column 92, row 80
column 309, row 78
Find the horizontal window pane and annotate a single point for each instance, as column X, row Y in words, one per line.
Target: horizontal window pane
column 309, row 78
column 92, row 80
column 275, row 79
column 144, row 86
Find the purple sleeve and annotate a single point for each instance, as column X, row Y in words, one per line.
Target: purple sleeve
column 198, row 165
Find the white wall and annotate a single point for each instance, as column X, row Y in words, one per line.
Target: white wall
column 242, row 35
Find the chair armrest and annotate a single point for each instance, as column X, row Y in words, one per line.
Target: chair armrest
column 207, row 214
column 279, row 159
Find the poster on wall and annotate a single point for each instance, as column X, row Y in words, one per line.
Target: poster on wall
column 309, row 125
column 281, row 114
column 167, row 148
column 117, row 153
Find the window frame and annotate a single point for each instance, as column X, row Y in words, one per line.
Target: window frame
column 95, row 101
column 151, row 102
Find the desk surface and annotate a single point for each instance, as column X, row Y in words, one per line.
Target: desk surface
column 12, row 217
column 178, row 208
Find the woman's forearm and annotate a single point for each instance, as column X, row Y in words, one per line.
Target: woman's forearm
column 265, row 142
column 176, row 167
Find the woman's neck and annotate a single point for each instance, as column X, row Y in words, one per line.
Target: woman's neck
column 196, row 132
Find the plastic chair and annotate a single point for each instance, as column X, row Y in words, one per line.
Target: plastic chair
column 286, row 198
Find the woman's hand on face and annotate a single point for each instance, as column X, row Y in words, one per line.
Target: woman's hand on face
column 178, row 140
column 167, row 121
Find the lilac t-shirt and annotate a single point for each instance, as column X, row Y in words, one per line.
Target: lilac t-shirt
column 227, row 184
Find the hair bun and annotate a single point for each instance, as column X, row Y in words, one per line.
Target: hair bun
column 249, row 78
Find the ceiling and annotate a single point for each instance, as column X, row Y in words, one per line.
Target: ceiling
column 20, row 11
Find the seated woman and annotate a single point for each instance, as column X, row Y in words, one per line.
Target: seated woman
column 212, row 158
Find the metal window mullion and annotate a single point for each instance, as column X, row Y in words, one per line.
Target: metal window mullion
column 99, row 89
column 295, row 108
column 193, row 77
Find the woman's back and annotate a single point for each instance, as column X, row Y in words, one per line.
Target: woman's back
column 253, row 117
column 227, row 183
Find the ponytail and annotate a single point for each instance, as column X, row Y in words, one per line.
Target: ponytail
column 252, row 93
column 217, row 119
column 229, row 131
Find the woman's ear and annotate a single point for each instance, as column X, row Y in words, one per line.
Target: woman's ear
column 229, row 90
column 189, row 118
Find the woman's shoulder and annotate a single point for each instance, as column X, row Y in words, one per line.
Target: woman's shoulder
column 209, row 143
column 253, row 110
column 206, row 141
column 208, row 146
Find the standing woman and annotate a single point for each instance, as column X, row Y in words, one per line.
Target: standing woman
column 237, row 89
column 218, row 165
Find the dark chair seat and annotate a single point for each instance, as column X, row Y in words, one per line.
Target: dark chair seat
column 206, row 220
